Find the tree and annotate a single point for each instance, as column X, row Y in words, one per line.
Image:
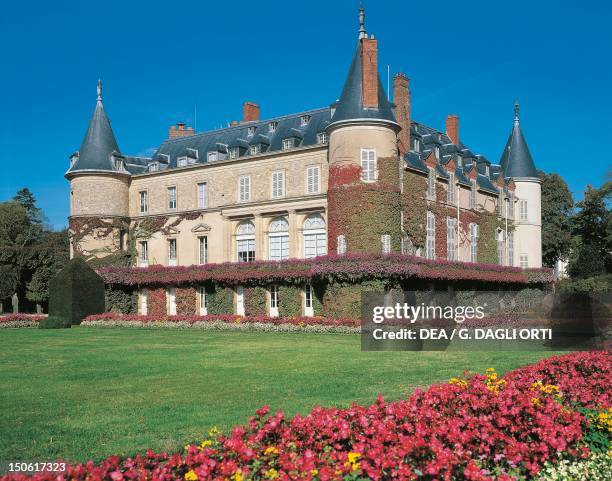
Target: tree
column 48, row 257
column 557, row 207
column 28, row 201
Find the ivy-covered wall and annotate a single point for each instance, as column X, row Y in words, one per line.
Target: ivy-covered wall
column 255, row 301
column 186, row 301
column 220, row 299
column 120, row 299
column 290, row 301
column 156, row 301
column 343, row 299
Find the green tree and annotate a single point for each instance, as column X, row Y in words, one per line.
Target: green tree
column 28, row 201
column 557, row 210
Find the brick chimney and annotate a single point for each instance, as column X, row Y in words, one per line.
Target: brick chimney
column 179, row 130
column 250, row 112
column 401, row 98
column 452, row 128
column 369, row 72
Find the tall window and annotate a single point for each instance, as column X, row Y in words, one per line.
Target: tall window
column 171, row 252
column 202, row 301
column 341, row 245
column 202, row 250
column 315, row 236
column 368, row 165
column 244, row 188
column 473, row 192
column 278, row 237
column 273, row 301
column 385, row 240
column 171, row 197
column 523, row 209
column 144, row 253
column 308, row 301
column 524, row 260
column 450, row 193
column 234, row 152
column 501, row 246
column 451, row 238
column 474, row 242
column 245, row 241
column 431, row 183
column 202, row 195
column 171, row 301
column 511, row 205
column 255, row 149
column 142, row 302
column 278, row 184
column 511, row 248
column 430, row 239
column 288, row 144
column 321, row 138
column 313, row 179
column 144, row 202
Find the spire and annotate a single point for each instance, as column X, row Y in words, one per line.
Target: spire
column 516, row 161
column 99, row 144
column 362, row 30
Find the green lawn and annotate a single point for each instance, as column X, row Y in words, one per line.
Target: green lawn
column 87, row 393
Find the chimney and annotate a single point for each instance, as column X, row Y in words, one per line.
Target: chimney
column 452, row 128
column 179, row 130
column 250, row 112
column 401, row 98
column 369, row 72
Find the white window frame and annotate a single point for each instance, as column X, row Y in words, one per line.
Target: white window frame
column 143, row 258
column 142, row 302
column 203, row 250
column 304, row 120
column 172, row 198
column 154, row 167
column 308, row 301
column 212, row 156
column 510, row 241
column 240, row 301
column 251, row 131
column 234, row 152
column 313, row 179
column 385, row 241
column 274, row 300
column 144, row 201
column 272, row 126
column 245, row 242
column 523, row 210
column 202, row 301
column 450, row 193
column 172, row 252
column 322, row 138
column 368, row 165
column 278, row 184
column 500, row 237
column 511, row 205
column 278, row 240
column 437, row 152
column 202, row 189
column 451, row 238
column 288, row 143
column 430, row 238
column 181, row 162
column 244, row 188
column 171, row 301
column 474, row 242
column 524, row 261
column 254, row 149
column 341, row 245
column 314, row 239
column 431, row 183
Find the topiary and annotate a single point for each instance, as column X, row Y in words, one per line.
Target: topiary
column 54, row 322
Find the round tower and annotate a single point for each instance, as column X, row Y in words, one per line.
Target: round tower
column 364, row 208
column 517, row 164
column 99, row 190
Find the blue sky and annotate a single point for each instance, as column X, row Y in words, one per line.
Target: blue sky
column 159, row 60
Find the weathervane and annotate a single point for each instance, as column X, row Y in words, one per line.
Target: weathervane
column 516, row 111
column 99, row 90
column 362, row 30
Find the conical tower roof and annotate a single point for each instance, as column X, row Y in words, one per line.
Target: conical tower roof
column 516, row 161
column 99, row 143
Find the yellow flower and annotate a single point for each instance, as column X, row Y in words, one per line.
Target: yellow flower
column 314, row 472
column 191, row 476
column 214, row 432
column 237, row 476
column 205, row 444
column 271, row 473
column 458, row 382
column 352, row 461
column 535, row 401
column 271, row 450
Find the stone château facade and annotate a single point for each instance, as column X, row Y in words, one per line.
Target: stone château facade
column 358, row 176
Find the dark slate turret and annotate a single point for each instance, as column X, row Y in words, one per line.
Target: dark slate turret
column 516, row 161
column 99, row 145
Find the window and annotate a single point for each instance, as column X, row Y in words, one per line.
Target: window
column 287, row 144
column 511, row 205
column 118, row 164
column 308, row 298
column 511, row 248
column 430, row 239
column 171, row 252
column 181, row 162
column 244, row 188
column 437, row 152
column 341, row 245
column 202, row 195
column 273, row 301
column 451, row 238
column 240, row 301
column 474, row 242
column 431, row 183
column 450, row 193
column 212, row 156
column 487, row 170
column 523, row 210
column 254, row 149
column 473, row 195
column 154, row 167
column 142, row 302
column 500, row 203
column 278, row 184
column 459, row 161
column 501, row 246
column 192, row 155
column 245, row 241
column 202, row 250
column 385, row 240
column 322, row 138
column 524, row 259
column 368, row 165
column 144, row 202
column 313, row 179
column 171, row 301
column 144, row 254
column 417, row 145
column 171, row 197
column 278, row 239
column 272, row 126
column 251, row 131
column 202, row 301
column 315, row 236
column 234, row 152
column 304, row 119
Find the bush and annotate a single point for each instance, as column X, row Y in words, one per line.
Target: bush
column 54, row 322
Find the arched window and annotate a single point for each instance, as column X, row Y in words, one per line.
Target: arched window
column 315, row 236
column 278, row 239
column 245, row 241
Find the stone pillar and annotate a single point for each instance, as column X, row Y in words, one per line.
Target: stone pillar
column 15, row 301
column 260, row 238
column 294, row 241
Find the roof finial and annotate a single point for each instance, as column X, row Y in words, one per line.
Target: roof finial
column 99, row 90
column 516, row 112
column 362, row 30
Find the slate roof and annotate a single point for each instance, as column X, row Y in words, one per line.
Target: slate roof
column 516, row 161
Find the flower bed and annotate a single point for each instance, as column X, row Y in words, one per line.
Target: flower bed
column 350, row 267
column 20, row 320
column 226, row 322
column 476, row 427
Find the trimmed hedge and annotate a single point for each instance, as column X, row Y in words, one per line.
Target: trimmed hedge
column 54, row 322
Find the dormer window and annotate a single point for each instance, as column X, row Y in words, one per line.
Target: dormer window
column 417, row 145
column 288, row 144
column 272, row 126
column 459, row 161
column 251, row 131
column 181, row 161
column 254, row 149
column 322, row 138
column 192, row 155
column 234, row 152
column 437, row 152
column 212, row 156
column 487, row 170
column 118, row 164
column 304, row 120
column 154, row 167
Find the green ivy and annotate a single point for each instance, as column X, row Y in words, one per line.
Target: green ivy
column 343, row 299
column 120, row 299
column 255, row 301
column 290, row 301
column 220, row 299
